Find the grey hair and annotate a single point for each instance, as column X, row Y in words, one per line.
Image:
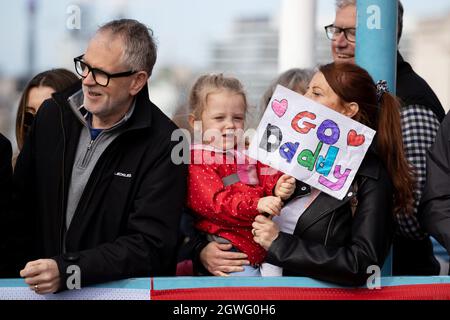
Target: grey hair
column 140, row 49
column 295, row 79
column 340, row 4
column 345, row 3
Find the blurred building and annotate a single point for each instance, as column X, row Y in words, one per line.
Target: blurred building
column 430, row 55
column 74, row 40
column 8, row 98
column 297, row 49
column 169, row 91
column 250, row 53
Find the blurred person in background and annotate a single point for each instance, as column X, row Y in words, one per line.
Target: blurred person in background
column 295, row 79
column 39, row 89
column 435, row 206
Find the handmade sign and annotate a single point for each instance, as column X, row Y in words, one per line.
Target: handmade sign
column 310, row 142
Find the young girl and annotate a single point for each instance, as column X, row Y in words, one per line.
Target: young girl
column 225, row 191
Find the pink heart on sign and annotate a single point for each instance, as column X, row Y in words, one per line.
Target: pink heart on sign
column 279, row 107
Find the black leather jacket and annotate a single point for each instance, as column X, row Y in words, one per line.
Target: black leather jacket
column 329, row 242
column 332, row 244
column 435, row 205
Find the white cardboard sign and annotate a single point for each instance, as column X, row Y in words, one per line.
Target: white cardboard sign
column 310, row 142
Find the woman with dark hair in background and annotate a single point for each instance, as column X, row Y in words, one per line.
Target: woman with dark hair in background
column 39, row 89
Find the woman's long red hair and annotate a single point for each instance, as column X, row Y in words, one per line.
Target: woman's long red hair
column 354, row 84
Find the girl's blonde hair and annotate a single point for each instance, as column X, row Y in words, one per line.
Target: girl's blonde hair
column 208, row 84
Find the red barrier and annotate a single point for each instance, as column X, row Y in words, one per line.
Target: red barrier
column 403, row 292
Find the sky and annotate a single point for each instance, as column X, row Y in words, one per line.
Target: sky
column 184, row 29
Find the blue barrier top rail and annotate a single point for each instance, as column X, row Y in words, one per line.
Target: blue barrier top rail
column 141, row 288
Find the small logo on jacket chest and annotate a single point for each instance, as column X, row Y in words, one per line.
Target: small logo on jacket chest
column 124, row 175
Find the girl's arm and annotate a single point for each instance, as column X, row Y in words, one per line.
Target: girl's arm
column 268, row 178
column 235, row 204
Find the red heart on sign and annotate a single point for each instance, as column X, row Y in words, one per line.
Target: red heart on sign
column 279, row 107
column 354, row 139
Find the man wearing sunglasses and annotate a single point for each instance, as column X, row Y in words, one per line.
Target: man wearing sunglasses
column 106, row 198
column 421, row 115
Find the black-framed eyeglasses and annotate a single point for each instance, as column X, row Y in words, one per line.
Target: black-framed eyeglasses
column 100, row 77
column 333, row 32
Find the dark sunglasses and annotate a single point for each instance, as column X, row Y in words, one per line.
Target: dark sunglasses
column 28, row 118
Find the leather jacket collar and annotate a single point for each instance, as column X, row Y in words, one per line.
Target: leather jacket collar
column 325, row 204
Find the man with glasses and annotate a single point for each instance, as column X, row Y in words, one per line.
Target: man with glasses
column 342, row 34
column 421, row 115
column 104, row 198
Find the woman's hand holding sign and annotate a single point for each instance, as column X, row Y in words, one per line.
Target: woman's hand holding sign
column 285, row 187
column 265, row 231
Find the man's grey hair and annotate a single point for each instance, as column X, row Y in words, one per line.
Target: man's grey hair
column 345, row 3
column 139, row 53
column 340, row 4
